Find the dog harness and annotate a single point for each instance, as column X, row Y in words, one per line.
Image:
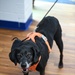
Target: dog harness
column 46, row 41
column 33, row 67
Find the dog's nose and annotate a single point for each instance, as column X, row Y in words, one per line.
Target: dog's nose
column 23, row 65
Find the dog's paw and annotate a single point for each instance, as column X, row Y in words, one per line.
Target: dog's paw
column 60, row 65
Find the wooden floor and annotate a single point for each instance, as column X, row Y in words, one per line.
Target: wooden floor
column 66, row 15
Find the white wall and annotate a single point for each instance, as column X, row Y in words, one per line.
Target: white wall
column 15, row 10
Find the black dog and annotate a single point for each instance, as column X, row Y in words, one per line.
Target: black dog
column 27, row 53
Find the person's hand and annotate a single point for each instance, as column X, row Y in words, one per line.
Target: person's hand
column 32, row 35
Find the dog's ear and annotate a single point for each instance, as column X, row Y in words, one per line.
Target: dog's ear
column 36, row 53
column 17, row 42
column 12, row 56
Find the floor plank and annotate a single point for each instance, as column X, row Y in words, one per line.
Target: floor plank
column 66, row 15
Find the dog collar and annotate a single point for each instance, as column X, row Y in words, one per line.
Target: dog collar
column 33, row 67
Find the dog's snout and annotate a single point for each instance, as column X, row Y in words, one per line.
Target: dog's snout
column 23, row 65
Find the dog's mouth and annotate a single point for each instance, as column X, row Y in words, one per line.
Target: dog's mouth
column 26, row 67
column 25, row 70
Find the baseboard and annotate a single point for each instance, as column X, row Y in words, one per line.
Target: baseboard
column 16, row 25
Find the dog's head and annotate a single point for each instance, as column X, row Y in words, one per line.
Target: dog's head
column 25, row 53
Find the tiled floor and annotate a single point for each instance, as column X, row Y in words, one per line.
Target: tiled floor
column 61, row 1
column 64, row 12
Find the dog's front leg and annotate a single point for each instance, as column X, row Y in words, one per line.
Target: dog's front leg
column 61, row 61
column 42, row 72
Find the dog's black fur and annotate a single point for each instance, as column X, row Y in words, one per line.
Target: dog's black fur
column 49, row 27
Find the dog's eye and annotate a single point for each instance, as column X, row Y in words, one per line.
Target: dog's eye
column 20, row 55
column 28, row 55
